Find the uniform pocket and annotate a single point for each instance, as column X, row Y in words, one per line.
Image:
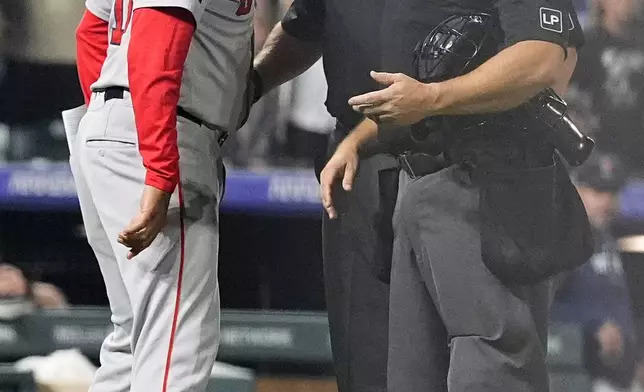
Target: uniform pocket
column 532, row 227
column 517, row 210
column 119, row 130
column 109, row 143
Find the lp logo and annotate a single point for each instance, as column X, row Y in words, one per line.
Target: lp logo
column 551, row 19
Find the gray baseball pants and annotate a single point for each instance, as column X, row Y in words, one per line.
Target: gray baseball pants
column 453, row 325
column 164, row 302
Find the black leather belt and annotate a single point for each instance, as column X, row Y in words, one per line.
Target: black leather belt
column 112, row 92
column 417, row 165
column 117, row 92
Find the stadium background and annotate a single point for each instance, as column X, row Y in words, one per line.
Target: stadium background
column 270, row 265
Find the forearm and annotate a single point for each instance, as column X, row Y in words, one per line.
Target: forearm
column 284, row 57
column 158, row 49
column 364, row 138
column 504, row 82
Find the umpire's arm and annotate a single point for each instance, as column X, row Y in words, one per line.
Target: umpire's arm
column 292, row 47
column 537, row 54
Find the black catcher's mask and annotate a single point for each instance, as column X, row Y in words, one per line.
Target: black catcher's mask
column 455, row 47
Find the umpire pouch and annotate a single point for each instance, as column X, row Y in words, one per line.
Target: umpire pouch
column 533, row 223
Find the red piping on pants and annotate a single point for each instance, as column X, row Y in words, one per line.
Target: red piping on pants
column 178, row 298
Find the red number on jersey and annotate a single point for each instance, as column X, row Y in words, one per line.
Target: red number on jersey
column 244, row 7
column 121, row 21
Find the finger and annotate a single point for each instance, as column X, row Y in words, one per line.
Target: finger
column 143, row 238
column 140, row 247
column 327, row 201
column 329, row 208
column 349, row 176
column 139, row 240
column 330, row 211
column 388, row 118
column 364, row 107
column 137, row 224
column 132, row 235
column 384, row 78
column 134, row 252
column 375, row 110
column 372, row 98
column 325, row 192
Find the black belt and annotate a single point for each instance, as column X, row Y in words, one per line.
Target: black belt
column 112, row 92
column 221, row 135
column 417, row 165
column 117, row 92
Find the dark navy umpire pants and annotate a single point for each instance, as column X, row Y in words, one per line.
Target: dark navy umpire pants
column 357, row 255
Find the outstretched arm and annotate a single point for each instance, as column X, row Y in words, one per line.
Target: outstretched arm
column 293, row 46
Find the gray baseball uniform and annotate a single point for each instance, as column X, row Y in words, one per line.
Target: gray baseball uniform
column 164, row 302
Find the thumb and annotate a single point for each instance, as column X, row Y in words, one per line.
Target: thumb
column 384, row 78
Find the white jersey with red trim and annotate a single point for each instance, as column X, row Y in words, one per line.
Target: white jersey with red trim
column 216, row 70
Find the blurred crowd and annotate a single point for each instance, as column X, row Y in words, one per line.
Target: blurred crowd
column 289, row 127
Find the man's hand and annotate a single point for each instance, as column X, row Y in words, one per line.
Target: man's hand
column 405, row 101
column 145, row 227
column 611, row 342
column 343, row 164
column 12, row 282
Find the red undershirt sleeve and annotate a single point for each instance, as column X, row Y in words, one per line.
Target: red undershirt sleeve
column 91, row 50
column 159, row 44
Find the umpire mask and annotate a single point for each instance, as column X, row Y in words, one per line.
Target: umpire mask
column 455, row 47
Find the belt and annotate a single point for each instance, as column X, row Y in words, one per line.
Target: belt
column 221, row 135
column 417, row 165
column 112, row 92
column 117, row 92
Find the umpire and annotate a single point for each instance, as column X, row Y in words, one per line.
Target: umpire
column 357, row 247
column 476, row 242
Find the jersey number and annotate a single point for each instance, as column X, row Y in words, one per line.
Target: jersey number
column 244, row 7
column 121, row 20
